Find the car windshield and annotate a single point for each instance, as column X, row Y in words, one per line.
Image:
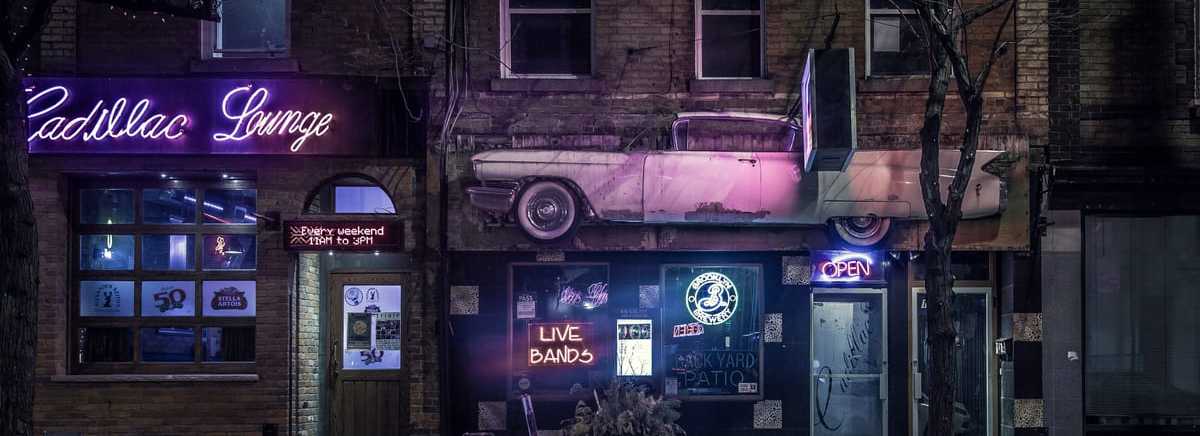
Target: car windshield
column 734, row 134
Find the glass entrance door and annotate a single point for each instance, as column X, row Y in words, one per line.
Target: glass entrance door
column 849, row 362
column 973, row 402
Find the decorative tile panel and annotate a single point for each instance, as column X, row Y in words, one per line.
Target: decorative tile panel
column 464, row 300
column 768, row 414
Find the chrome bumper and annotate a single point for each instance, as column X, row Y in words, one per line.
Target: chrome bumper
column 494, row 199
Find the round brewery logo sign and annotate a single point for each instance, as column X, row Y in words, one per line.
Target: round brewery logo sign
column 711, row 298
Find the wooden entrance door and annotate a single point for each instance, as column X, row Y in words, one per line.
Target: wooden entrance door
column 367, row 365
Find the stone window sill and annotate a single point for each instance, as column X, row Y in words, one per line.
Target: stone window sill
column 245, row 65
column 731, row 86
column 584, row 85
column 152, row 378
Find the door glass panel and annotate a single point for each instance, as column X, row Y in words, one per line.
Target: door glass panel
column 846, row 339
column 971, row 348
column 847, row 406
column 848, row 363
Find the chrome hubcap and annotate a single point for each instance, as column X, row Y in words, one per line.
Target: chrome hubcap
column 548, row 211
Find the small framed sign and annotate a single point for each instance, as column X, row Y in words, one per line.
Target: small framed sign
column 229, row 298
column 344, row 235
column 106, row 298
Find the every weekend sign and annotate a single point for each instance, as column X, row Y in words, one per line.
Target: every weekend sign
column 323, row 116
column 344, row 235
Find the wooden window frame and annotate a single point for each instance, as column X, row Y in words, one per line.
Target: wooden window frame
column 210, row 36
column 138, row 275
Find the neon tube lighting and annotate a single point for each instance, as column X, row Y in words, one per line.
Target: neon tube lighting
column 104, row 121
column 253, row 121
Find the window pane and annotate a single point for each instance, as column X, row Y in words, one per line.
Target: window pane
column 168, row 253
column 229, row 252
column 105, row 344
column 174, row 298
column 361, row 199
column 731, row 46
column 716, row 134
column 731, row 5
column 168, row 344
column 106, row 252
column 549, row 4
column 230, row 206
column 106, row 206
column 716, row 313
column 253, row 25
column 891, row 4
column 228, row 344
column 551, row 44
column 169, row 206
column 1143, row 357
column 847, row 337
column 106, row 298
column 895, row 47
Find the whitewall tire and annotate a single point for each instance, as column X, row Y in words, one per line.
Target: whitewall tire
column 865, row 231
column 547, row 211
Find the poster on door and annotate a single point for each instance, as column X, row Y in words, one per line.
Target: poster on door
column 373, row 327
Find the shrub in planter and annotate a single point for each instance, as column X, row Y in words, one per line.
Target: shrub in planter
column 625, row 410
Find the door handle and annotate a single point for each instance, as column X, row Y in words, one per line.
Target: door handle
column 749, row 161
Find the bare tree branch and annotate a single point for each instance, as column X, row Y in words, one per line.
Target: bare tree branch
column 38, row 16
column 998, row 50
column 971, row 15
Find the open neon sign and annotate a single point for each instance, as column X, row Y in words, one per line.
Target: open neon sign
column 203, row 116
column 559, row 344
column 845, row 267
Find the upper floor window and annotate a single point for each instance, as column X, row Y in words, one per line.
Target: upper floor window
column 729, row 36
column 250, row 28
column 546, row 38
column 895, row 47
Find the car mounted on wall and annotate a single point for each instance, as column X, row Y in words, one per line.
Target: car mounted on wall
column 721, row 169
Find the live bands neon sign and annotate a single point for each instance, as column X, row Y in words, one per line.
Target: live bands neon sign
column 845, row 267
column 559, row 344
column 199, row 116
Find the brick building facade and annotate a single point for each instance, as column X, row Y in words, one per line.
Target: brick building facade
column 1121, row 191
column 641, row 69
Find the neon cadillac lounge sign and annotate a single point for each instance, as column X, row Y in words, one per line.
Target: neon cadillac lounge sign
column 200, row 116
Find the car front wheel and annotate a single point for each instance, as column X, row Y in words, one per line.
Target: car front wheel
column 861, row 231
column 547, row 211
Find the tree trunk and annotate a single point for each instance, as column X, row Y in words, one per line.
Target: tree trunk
column 18, row 262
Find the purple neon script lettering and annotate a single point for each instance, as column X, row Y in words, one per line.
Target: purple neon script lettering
column 251, row 120
column 105, row 121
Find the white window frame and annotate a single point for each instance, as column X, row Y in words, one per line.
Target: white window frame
column 870, row 31
column 699, row 38
column 210, row 35
column 506, row 41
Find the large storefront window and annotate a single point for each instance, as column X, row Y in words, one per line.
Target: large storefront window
column 164, row 276
column 714, row 315
column 1142, row 352
column 558, row 314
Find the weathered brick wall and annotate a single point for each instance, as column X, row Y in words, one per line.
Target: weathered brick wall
column 644, row 58
column 308, row 340
column 63, row 403
column 1136, row 82
column 346, row 37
